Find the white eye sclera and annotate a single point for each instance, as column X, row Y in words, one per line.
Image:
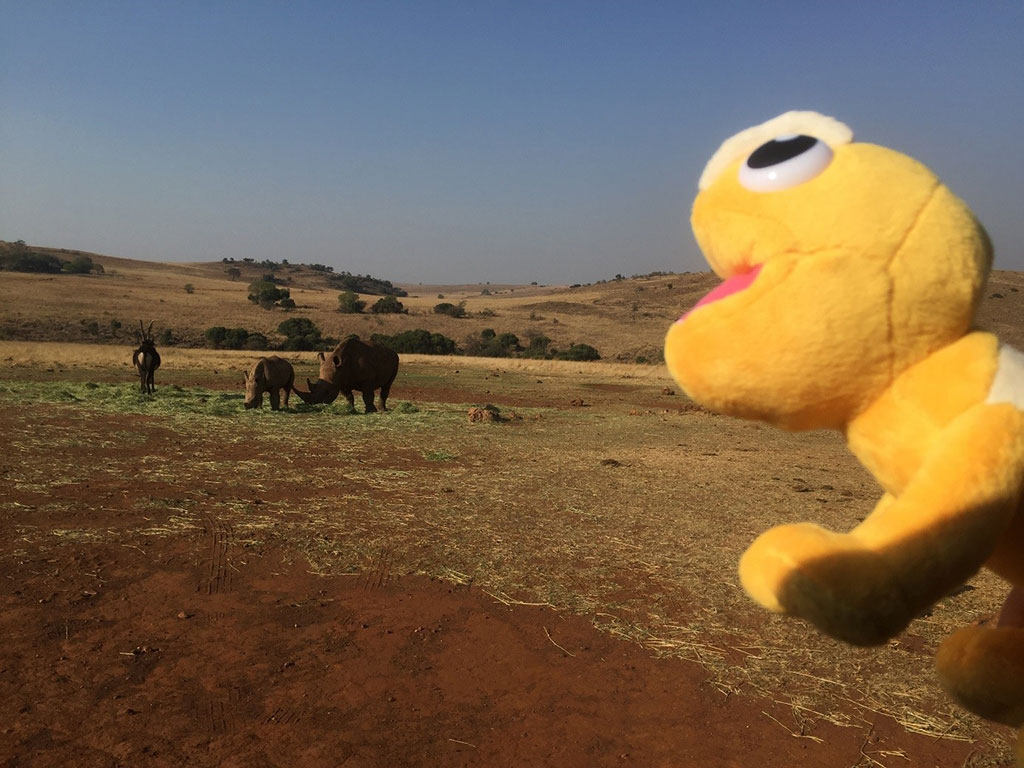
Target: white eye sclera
column 784, row 162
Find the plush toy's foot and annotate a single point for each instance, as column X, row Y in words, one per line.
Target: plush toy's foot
column 830, row 579
column 983, row 669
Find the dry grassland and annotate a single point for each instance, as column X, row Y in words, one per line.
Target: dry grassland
column 623, row 319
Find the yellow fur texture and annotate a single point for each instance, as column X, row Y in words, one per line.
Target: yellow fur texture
column 857, row 274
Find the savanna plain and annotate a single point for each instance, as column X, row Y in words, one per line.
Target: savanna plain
column 186, row 582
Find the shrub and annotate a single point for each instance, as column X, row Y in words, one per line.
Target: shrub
column 538, row 347
column 418, row 341
column 189, row 288
column 80, row 265
column 266, row 294
column 235, row 338
column 288, row 303
column 215, row 335
column 579, row 353
column 349, row 303
column 165, row 337
column 452, row 310
column 490, row 344
column 255, row 341
column 298, row 326
column 389, row 305
column 229, row 338
column 234, row 273
column 301, row 334
column 487, row 312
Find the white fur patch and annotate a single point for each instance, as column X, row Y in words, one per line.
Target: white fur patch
column 826, row 129
column 1008, row 384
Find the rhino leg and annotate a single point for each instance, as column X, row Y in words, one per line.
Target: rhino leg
column 368, row 401
column 385, row 391
column 275, row 399
column 287, row 394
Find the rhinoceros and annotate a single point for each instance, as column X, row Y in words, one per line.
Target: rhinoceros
column 271, row 374
column 354, row 365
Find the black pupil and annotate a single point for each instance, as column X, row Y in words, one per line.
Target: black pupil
column 776, row 151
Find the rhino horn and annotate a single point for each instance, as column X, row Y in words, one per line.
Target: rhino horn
column 319, row 392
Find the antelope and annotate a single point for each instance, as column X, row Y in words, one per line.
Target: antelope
column 146, row 359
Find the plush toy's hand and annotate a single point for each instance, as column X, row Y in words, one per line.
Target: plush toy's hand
column 865, row 586
column 833, row 580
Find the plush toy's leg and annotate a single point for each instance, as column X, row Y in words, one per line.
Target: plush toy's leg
column 983, row 667
column 864, row 587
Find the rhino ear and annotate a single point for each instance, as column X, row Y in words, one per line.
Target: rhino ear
column 319, row 355
column 336, row 360
column 246, row 374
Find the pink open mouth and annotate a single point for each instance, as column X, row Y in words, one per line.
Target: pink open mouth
column 732, row 285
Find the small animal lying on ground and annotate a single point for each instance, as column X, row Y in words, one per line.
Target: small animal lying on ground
column 271, row 374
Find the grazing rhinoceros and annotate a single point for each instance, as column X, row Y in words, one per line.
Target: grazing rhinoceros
column 146, row 359
column 354, row 365
column 271, row 374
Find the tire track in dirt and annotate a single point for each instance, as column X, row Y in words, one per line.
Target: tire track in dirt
column 219, row 574
column 378, row 575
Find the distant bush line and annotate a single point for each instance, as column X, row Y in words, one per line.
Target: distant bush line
column 18, row 257
column 487, row 344
column 301, row 334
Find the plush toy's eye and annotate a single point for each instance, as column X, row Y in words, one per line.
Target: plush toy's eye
column 784, row 162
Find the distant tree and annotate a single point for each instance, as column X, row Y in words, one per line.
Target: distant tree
column 234, row 272
column 349, row 303
column 288, row 303
column 165, row 337
column 266, row 294
column 301, row 334
column 80, row 265
column 389, row 305
column 189, row 288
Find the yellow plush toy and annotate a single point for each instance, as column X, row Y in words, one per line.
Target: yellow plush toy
column 851, row 278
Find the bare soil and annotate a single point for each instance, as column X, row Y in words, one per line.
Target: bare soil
column 155, row 609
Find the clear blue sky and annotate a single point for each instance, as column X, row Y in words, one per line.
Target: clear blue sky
column 470, row 141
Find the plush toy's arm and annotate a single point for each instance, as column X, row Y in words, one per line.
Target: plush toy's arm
column 866, row 586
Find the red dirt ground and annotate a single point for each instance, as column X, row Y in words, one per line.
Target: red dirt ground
column 160, row 656
column 195, row 650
